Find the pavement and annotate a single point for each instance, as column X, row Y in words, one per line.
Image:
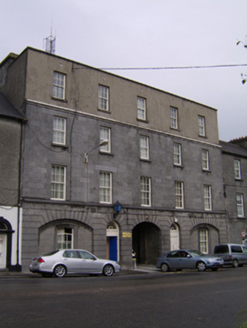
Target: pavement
column 140, row 269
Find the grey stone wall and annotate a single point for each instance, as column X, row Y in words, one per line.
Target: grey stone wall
column 10, row 132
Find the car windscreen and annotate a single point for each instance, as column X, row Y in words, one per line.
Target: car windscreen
column 195, row 253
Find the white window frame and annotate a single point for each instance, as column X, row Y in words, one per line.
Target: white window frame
column 59, row 130
column 177, row 158
column 141, row 108
column 105, row 188
column 58, row 85
column 144, row 147
column 105, row 134
column 207, row 192
column 65, row 239
column 203, row 241
column 202, row 126
column 237, row 169
column 145, row 191
column 205, row 160
column 103, row 98
column 174, row 117
column 179, row 194
column 58, row 182
column 240, row 205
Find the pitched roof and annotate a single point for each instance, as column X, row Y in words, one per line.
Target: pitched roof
column 233, row 149
column 8, row 110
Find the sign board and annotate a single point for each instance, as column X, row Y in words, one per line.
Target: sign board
column 243, row 233
column 127, row 235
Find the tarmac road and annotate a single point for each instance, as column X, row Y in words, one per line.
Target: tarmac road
column 130, row 299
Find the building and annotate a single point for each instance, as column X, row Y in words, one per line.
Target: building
column 155, row 185
column 234, row 155
column 11, row 122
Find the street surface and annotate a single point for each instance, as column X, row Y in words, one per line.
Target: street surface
column 180, row 299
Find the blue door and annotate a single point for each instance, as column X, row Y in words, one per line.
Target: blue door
column 113, row 248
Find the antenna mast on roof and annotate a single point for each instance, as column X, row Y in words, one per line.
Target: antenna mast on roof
column 50, row 43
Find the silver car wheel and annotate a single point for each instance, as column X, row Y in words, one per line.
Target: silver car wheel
column 235, row 264
column 108, row 270
column 201, row 266
column 164, row 267
column 60, row 271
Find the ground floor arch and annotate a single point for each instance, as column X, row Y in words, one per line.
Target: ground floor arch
column 65, row 234
column 146, row 242
column 204, row 237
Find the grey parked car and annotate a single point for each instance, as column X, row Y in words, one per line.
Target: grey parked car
column 233, row 254
column 61, row 262
column 188, row 259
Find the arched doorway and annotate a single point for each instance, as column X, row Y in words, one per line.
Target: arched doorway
column 146, row 242
column 5, row 243
column 112, row 241
column 174, row 237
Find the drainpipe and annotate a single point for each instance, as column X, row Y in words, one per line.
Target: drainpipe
column 18, row 266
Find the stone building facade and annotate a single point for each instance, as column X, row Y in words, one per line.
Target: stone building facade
column 234, row 154
column 161, row 162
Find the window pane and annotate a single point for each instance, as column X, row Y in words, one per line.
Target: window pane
column 240, row 205
column 173, row 116
column 59, row 125
column 105, row 187
column 141, row 108
column 203, row 240
column 58, row 85
column 237, row 169
column 58, row 182
column 207, row 198
column 144, row 147
column 105, row 134
column 201, row 123
column 65, row 238
column 103, row 98
column 177, row 153
column 205, row 165
column 145, row 191
column 179, row 202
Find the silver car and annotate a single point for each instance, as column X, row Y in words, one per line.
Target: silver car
column 67, row 261
column 188, row 259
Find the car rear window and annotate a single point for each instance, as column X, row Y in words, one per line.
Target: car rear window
column 236, row 249
column 221, row 249
column 51, row 253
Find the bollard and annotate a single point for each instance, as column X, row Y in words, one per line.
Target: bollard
column 134, row 263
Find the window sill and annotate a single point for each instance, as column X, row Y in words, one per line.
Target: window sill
column 240, row 180
column 179, row 166
column 241, row 217
column 59, row 146
column 105, row 153
column 204, row 137
column 206, row 171
column 175, row 129
column 141, row 120
column 59, row 99
column 145, row 160
column 104, row 111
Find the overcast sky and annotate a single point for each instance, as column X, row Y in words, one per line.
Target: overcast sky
column 146, row 34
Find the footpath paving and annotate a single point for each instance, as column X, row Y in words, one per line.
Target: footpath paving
column 140, row 269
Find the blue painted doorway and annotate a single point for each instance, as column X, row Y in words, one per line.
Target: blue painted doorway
column 113, row 248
